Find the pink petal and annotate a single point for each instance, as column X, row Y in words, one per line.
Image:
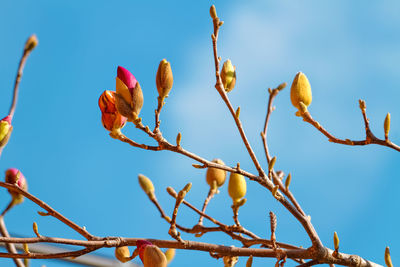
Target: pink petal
column 126, row 77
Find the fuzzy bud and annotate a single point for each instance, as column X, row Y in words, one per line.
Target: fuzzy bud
column 14, row 176
column 170, row 254
column 288, row 180
column 122, row 254
column 300, row 91
column 228, row 75
column 271, row 164
column 5, row 130
column 151, row 255
column 146, row 184
column 336, row 241
column 388, row 259
column 110, row 117
column 31, row 43
column 217, row 175
column 249, row 261
column 129, row 97
column 213, row 12
column 164, row 78
column 237, row 187
column 386, row 126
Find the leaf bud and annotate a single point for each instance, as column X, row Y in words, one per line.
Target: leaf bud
column 122, row 254
column 271, row 164
column 31, row 43
column 388, row 259
column 237, row 187
column 213, row 12
column 228, row 75
column 288, row 180
column 14, row 176
column 300, row 91
column 170, row 254
column 5, row 130
column 146, row 184
column 386, row 126
column 336, row 241
column 249, row 261
column 129, row 97
column 164, row 78
column 214, row 174
column 110, row 117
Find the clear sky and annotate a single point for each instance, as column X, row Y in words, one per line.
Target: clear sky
column 348, row 50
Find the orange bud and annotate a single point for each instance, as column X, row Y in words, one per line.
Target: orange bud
column 110, row 117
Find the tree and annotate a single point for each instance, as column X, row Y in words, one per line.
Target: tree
column 273, row 183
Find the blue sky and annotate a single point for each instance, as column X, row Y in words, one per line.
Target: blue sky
column 348, row 50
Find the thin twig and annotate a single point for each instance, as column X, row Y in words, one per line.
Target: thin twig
column 9, row 246
column 211, row 194
column 49, row 209
column 369, row 139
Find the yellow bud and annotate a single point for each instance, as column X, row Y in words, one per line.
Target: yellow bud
column 228, row 75
column 230, row 261
column 288, row 180
column 213, row 12
column 336, row 241
column 170, row 254
column 386, row 126
column 5, row 132
column 237, row 187
column 31, row 43
column 249, row 261
column 35, row 229
column 146, row 184
column 26, row 248
column 214, row 174
column 122, row 254
column 388, row 259
column 275, row 190
column 300, row 90
column 271, row 163
column 164, row 78
column 154, row 257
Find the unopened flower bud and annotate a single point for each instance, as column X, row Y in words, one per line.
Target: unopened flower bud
column 213, row 12
column 164, row 78
column 300, row 91
column 388, row 259
column 151, row 255
column 336, row 241
column 122, row 254
column 110, row 117
column 5, row 130
column 170, row 254
column 14, row 176
column 129, row 97
column 237, row 187
column 249, row 261
column 386, row 126
column 146, row 184
column 228, row 75
column 217, row 175
column 31, row 43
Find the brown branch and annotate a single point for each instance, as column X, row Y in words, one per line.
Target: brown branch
column 220, row 88
column 9, row 246
column 211, row 194
column 69, row 254
column 49, row 209
column 369, row 139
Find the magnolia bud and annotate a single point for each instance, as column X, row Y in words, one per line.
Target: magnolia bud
column 336, row 241
column 129, row 97
column 388, row 259
column 386, row 126
column 217, row 175
column 5, row 130
column 110, row 117
column 213, row 12
column 164, row 78
column 14, row 176
column 122, row 254
column 146, row 184
column 31, row 43
column 237, row 187
column 300, row 90
column 228, row 75
column 150, row 254
column 170, row 254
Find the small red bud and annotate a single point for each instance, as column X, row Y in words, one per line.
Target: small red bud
column 15, row 176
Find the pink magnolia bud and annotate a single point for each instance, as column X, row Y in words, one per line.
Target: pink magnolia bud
column 129, row 97
column 110, row 117
column 14, row 176
column 141, row 245
column 151, row 255
column 5, row 130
